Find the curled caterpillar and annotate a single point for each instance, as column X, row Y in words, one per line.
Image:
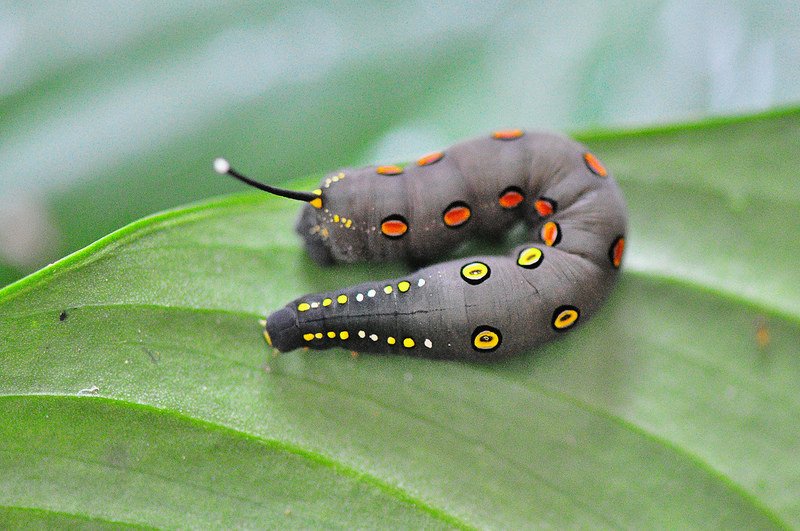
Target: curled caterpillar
column 495, row 305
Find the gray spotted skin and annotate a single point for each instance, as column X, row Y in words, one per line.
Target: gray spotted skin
column 435, row 311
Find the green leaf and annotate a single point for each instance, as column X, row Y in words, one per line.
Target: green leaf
column 675, row 407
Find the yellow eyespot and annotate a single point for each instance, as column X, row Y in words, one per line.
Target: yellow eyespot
column 408, row 342
column 565, row 317
column 331, row 334
column 486, row 338
column 403, row 286
column 303, row 307
column 308, row 337
column 341, row 299
column 387, row 290
column 344, row 334
column 318, row 335
column 475, row 272
column 530, row 258
column 327, row 302
column 391, row 340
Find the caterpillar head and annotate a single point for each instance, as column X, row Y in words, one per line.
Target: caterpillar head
column 334, row 225
column 315, row 236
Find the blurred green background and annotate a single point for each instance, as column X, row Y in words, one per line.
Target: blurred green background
column 111, row 111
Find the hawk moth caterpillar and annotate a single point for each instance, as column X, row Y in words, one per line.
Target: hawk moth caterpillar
column 472, row 307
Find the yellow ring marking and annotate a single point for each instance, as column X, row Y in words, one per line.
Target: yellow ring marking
column 266, row 336
column 475, row 272
column 530, row 257
column 486, row 340
column 565, row 319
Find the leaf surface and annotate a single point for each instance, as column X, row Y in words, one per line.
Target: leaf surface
column 674, row 407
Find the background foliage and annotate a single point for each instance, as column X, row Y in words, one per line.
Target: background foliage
column 674, row 407
column 113, row 110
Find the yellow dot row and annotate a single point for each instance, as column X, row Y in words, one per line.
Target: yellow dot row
column 347, row 223
column 402, row 286
column 407, row 342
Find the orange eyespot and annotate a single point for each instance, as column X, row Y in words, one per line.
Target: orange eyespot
column 511, row 197
column 394, row 226
column 594, row 164
column 551, row 233
column 616, row 250
column 430, row 158
column 564, row 317
column 390, row 169
column 545, row 207
column 456, row 214
column 507, row 134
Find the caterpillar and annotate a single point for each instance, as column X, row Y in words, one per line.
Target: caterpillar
column 473, row 307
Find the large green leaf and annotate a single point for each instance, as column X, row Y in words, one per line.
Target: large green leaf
column 676, row 406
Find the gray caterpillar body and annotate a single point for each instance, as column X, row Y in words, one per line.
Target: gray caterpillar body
column 482, row 305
